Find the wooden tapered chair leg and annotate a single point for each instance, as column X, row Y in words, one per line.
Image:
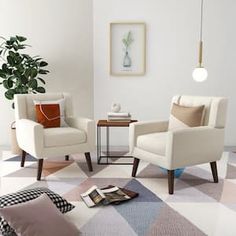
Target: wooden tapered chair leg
column 23, row 155
column 135, row 167
column 88, row 160
column 67, row 157
column 40, row 168
column 214, row 171
column 171, row 177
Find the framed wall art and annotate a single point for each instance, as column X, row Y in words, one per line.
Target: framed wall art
column 127, row 48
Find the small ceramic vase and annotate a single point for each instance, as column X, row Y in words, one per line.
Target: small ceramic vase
column 115, row 107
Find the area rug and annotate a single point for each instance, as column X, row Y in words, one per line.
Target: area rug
column 198, row 207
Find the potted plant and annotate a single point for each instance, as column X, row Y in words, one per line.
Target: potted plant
column 19, row 72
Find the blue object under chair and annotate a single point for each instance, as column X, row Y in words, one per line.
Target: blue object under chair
column 178, row 172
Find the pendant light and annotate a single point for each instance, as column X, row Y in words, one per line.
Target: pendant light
column 200, row 73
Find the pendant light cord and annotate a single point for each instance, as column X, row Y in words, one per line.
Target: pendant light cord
column 201, row 20
column 201, row 42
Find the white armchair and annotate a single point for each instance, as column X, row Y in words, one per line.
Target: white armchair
column 42, row 142
column 152, row 142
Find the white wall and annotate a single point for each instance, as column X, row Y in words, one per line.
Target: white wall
column 172, row 44
column 61, row 31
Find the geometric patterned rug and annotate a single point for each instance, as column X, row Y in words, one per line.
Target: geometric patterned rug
column 198, row 206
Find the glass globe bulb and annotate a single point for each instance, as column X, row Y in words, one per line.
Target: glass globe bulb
column 200, row 74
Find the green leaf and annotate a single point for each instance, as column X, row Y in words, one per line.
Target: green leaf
column 7, row 83
column 17, row 73
column 33, row 73
column 43, row 63
column 27, row 72
column 19, row 82
column 9, row 47
column 24, row 79
column 20, row 68
column 9, row 42
column 13, row 39
column 42, row 80
column 10, row 60
column 20, row 46
column 26, row 56
column 2, row 74
column 21, row 38
column 43, row 72
column 9, row 94
column 12, row 77
column 40, row 90
column 15, row 47
column 12, row 54
column 4, row 68
column 33, row 83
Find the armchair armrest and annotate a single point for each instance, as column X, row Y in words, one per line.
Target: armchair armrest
column 30, row 136
column 194, row 146
column 85, row 124
column 144, row 127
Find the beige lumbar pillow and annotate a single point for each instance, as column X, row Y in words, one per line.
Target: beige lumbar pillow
column 184, row 117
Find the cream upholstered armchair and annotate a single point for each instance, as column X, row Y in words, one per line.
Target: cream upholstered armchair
column 152, row 142
column 42, row 142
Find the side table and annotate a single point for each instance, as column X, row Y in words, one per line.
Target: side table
column 107, row 124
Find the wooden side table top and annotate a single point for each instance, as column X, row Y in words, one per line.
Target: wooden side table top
column 108, row 123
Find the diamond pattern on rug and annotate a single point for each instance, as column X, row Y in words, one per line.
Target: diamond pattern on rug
column 145, row 195
column 27, row 171
column 140, row 215
column 195, row 172
column 187, row 193
column 107, row 222
column 49, row 167
column 96, row 168
column 198, row 206
column 60, row 186
column 232, row 158
column 205, row 186
column 170, row 222
column 228, row 193
column 231, row 206
column 152, row 171
column 140, row 211
column 231, row 172
column 18, row 158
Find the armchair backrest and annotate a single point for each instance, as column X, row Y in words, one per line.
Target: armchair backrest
column 24, row 104
column 215, row 108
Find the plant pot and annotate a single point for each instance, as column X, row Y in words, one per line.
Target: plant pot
column 15, row 149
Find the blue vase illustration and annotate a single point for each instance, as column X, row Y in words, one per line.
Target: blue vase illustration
column 127, row 60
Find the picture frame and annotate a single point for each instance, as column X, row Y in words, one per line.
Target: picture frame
column 127, row 48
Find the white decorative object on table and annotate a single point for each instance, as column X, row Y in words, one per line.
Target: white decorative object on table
column 115, row 107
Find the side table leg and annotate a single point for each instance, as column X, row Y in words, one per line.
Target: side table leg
column 98, row 144
column 108, row 143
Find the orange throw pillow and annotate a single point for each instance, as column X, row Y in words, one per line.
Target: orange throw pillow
column 48, row 115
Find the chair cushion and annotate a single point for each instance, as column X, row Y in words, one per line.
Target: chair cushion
column 154, row 142
column 63, row 136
